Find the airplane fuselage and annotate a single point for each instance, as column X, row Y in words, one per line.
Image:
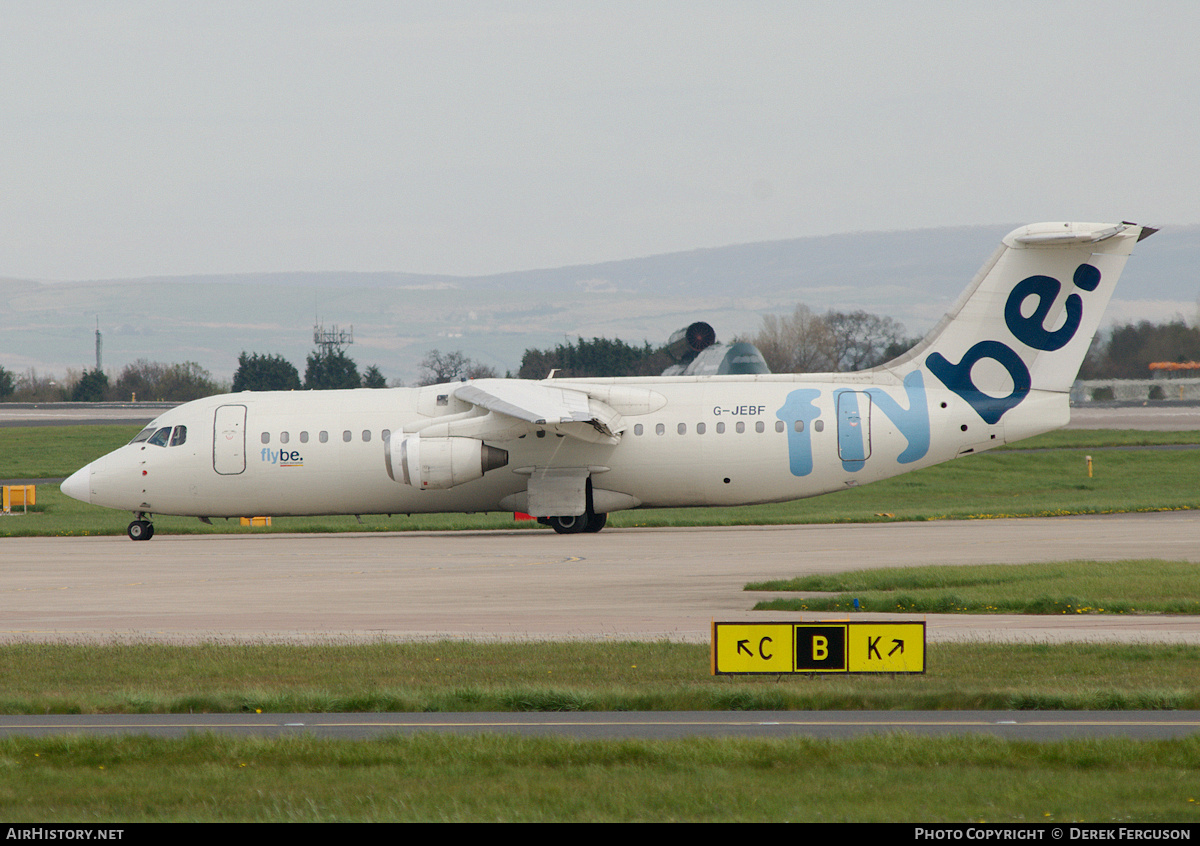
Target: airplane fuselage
column 713, row 441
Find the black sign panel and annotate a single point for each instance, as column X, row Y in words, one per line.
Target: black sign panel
column 821, row 648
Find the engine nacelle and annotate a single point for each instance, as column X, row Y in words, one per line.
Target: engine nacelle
column 690, row 340
column 440, row 463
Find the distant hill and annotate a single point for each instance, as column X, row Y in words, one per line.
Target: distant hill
column 912, row 276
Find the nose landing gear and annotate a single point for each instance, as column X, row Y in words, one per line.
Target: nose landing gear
column 140, row 529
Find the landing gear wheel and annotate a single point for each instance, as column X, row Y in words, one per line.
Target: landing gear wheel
column 140, row 530
column 569, row 525
column 589, row 522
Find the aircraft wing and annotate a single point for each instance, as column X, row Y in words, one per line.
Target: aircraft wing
column 565, row 411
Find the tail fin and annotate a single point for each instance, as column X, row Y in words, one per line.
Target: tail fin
column 1027, row 319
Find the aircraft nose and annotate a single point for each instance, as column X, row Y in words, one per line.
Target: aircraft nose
column 79, row 484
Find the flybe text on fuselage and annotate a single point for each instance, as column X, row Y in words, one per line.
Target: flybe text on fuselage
column 282, row 457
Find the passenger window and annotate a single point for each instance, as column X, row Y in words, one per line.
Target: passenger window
column 179, row 435
column 760, row 427
column 819, row 426
column 700, row 429
column 387, row 433
column 779, row 427
column 283, row 437
column 660, row 429
column 741, row 427
column 324, row 438
column 366, row 436
column 720, row 428
column 682, row 429
column 304, row 437
column 161, row 437
column 799, row 425
column 143, row 435
column 346, row 436
column 637, row 429
column 266, row 437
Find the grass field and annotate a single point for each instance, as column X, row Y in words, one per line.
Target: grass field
column 494, row 779
column 42, row 678
column 1146, row 586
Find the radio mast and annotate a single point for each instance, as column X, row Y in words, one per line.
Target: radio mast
column 328, row 341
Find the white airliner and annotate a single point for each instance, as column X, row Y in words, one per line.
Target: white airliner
column 997, row 368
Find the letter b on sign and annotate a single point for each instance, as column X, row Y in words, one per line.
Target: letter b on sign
column 820, row 648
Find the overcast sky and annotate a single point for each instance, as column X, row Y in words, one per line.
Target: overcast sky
column 145, row 138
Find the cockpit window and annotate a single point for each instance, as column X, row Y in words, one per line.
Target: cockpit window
column 179, row 435
column 143, row 435
column 161, row 437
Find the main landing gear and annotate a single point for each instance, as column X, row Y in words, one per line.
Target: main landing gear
column 140, row 529
column 588, row 522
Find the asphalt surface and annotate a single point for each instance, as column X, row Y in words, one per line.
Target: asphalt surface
column 1006, row 725
column 632, row 584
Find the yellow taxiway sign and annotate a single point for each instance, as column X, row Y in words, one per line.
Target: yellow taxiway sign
column 838, row 646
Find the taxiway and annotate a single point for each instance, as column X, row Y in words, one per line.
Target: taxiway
column 631, row 584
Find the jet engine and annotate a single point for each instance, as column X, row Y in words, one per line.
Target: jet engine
column 440, row 463
column 684, row 344
column 697, row 353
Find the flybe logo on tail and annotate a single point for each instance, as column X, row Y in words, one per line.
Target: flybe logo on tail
column 1030, row 330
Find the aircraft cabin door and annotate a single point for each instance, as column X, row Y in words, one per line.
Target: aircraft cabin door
column 854, row 428
column 229, row 440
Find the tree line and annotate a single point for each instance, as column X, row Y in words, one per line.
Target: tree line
column 145, row 380
column 834, row 342
column 595, row 358
column 1126, row 351
column 800, row 342
column 155, row 381
column 324, row 371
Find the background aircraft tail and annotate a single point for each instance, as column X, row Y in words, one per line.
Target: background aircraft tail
column 1027, row 319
